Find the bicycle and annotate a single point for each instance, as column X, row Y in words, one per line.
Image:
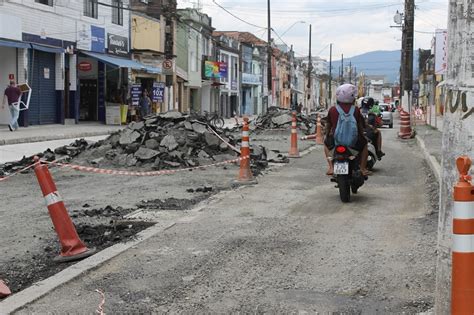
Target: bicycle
column 214, row 120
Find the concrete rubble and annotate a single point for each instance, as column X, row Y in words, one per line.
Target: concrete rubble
column 163, row 141
column 280, row 118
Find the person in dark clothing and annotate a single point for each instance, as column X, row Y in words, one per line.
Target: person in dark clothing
column 145, row 104
column 374, row 134
column 12, row 94
column 346, row 95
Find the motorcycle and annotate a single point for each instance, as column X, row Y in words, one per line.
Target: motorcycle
column 347, row 172
column 372, row 157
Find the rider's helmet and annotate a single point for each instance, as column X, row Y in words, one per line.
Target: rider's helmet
column 346, row 94
column 367, row 102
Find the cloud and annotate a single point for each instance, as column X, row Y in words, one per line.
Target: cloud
column 353, row 26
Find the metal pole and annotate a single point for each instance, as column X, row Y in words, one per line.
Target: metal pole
column 342, row 68
column 310, row 70
column 269, row 59
column 330, row 75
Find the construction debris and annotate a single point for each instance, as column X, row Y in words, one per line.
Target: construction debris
column 280, row 118
column 162, row 141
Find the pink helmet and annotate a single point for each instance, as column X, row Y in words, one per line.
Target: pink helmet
column 346, row 93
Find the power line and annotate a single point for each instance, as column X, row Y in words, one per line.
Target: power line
column 235, row 16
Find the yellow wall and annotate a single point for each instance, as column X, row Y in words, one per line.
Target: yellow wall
column 146, row 34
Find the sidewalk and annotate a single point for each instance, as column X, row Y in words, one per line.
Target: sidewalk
column 430, row 140
column 54, row 132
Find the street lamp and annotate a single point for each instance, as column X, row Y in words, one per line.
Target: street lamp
column 302, row 22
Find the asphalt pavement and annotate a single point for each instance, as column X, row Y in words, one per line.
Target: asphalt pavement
column 285, row 245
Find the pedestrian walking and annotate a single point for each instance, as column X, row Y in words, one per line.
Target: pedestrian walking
column 145, row 104
column 12, row 95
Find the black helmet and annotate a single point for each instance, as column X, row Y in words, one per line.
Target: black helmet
column 367, row 102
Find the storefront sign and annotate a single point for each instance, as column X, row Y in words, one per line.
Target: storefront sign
column 97, row 39
column 135, row 92
column 253, row 79
column 159, row 92
column 46, row 73
column 215, row 70
column 117, row 45
column 85, row 66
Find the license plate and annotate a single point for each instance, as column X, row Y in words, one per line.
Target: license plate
column 341, row 168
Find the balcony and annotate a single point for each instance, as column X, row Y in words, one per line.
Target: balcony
column 251, row 79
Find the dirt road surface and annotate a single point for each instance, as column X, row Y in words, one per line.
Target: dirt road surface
column 286, row 245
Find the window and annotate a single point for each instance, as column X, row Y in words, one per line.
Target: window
column 46, row 2
column 117, row 12
column 90, row 8
column 193, row 61
column 225, row 59
column 235, row 69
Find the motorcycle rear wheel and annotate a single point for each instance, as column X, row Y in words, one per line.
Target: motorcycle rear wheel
column 344, row 184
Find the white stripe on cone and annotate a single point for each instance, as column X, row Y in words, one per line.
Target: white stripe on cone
column 463, row 243
column 245, row 133
column 245, row 144
column 463, row 210
column 52, row 198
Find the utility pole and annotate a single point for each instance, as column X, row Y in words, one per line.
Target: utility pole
column 342, row 69
column 310, row 70
column 269, row 60
column 330, row 76
column 408, row 31
column 350, row 72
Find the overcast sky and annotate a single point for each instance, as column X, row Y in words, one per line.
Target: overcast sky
column 354, row 27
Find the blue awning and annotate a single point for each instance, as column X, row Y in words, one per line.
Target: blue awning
column 115, row 61
column 153, row 70
column 14, row 44
column 49, row 49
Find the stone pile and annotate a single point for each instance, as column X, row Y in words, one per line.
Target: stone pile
column 279, row 118
column 161, row 141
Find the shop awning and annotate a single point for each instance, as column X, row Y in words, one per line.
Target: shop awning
column 49, row 49
column 152, row 70
column 14, row 44
column 115, row 61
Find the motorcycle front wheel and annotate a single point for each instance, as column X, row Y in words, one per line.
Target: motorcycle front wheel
column 344, row 183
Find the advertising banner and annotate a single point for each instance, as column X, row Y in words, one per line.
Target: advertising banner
column 135, row 92
column 441, row 51
column 215, row 70
column 159, row 92
column 117, row 45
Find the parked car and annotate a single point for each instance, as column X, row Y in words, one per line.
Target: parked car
column 387, row 116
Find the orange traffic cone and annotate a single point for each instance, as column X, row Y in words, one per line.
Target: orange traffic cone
column 405, row 128
column 245, row 174
column 72, row 248
column 319, row 131
column 294, row 153
column 4, row 290
column 462, row 287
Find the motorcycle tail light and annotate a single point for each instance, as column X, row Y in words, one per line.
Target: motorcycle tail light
column 341, row 149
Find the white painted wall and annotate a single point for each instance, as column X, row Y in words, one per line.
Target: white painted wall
column 458, row 135
column 59, row 21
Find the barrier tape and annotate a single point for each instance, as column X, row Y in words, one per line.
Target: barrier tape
column 225, row 142
column 17, row 172
column 131, row 173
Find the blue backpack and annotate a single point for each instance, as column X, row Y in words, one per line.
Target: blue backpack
column 346, row 131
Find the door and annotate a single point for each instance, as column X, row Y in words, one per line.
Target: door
column 43, row 105
column 88, row 100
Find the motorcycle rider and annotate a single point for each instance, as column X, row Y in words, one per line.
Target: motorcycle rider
column 366, row 105
column 374, row 134
column 345, row 96
column 376, row 109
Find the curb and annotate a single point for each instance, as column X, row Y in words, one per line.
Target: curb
column 56, row 137
column 432, row 162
